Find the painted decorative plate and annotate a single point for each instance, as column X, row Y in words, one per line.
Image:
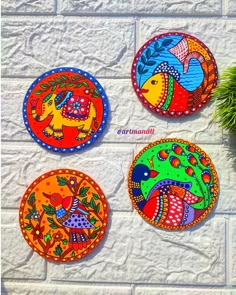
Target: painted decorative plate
column 173, row 184
column 65, row 109
column 63, row 215
column 173, row 74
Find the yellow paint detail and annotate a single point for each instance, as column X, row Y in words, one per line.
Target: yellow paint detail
column 156, row 87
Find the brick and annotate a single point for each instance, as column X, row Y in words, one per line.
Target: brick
column 178, row 7
column 136, row 252
column 72, row 7
column 34, row 289
column 179, row 291
column 233, row 253
column 231, row 8
column 217, row 34
column 18, row 260
column 27, row 7
column 22, row 164
column 101, row 46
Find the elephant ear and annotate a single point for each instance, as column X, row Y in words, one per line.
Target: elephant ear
column 62, row 98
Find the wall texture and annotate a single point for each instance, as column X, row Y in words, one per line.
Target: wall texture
column 102, row 36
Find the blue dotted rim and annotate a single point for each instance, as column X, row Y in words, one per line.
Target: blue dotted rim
column 104, row 119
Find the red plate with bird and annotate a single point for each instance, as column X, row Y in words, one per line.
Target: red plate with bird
column 63, row 215
column 173, row 74
column 173, row 184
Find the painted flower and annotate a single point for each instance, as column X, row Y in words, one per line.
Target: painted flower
column 72, row 182
column 78, row 106
column 37, row 232
column 35, row 216
column 57, row 236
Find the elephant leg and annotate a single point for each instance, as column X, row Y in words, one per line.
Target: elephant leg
column 82, row 134
column 58, row 134
column 48, row 131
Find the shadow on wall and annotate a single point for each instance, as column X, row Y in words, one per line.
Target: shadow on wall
column 231, row 149
column 3, row 289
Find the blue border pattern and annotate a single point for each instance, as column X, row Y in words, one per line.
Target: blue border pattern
column 104, row 119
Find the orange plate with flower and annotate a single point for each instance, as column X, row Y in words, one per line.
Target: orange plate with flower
column 63, row 215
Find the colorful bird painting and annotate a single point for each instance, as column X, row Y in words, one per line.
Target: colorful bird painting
column 168, row 202
column 71, row 213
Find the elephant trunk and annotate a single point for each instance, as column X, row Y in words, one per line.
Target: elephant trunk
column 34, row 114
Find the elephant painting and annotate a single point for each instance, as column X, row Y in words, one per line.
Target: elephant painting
column 68, row 110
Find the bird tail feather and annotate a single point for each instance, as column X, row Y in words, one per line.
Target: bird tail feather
column 78, row 239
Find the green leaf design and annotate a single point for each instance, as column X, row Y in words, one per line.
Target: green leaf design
column 72, row 254
column 61, row 181
column 28, row 227
column 79, row 85
column 28, row 216
column 148, row 53
column 76, row 78
column 83, row 191
column 44, row 86
column 64, row 241
column 47, row 237
column 52, row 82
column 38, row 92
column 97, row 208
column 50, row 210
column 92, row 204
column 150, row 63
column 64, row 77
column 53, row 225
column 96, row 197
column 70, row 84
column 31, row 199
column 54, row 87
column 93, row 220
column 50, row 220
column 95, row 95
column 58, row 79
column 97, row 91
column 93, row 236
column 166, row 42
column 85, row 84
column 85, row 202
column 58, row 250
column 62, row 85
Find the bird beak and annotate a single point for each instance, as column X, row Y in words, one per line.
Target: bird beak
column 46, row 195
column 144, row 90
column 153, row 173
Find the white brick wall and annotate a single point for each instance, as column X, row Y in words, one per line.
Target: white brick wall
column 101, row 37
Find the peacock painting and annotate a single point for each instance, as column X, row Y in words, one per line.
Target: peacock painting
column 173, row 184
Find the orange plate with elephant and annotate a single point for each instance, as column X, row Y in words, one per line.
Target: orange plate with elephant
column 173, row 74
column 65, row 109
column 173, row 184
column 63, row 215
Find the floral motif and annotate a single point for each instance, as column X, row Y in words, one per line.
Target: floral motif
column 72, row 182
column 58, row 236
column 37, row 232
column 35, row 216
